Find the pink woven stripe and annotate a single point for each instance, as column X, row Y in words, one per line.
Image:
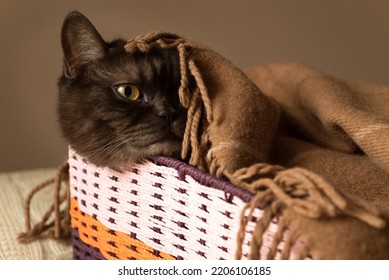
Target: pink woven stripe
column 203, row 178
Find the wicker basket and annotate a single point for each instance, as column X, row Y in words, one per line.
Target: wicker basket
column 159, row 209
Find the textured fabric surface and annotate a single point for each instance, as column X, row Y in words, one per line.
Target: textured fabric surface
column 339, row 130
column 14, row 188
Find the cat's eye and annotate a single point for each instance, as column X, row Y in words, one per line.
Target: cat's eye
column 128, row 91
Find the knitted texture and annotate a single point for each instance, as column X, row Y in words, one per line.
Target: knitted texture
column 15, row 187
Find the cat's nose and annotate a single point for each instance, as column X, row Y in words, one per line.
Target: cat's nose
column 166, row 111
column 169, row 114
column 174, row 117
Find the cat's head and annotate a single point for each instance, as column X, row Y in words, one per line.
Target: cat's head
column 115, row 107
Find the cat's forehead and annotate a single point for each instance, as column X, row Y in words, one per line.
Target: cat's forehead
column 152, row 63
column 151, row 70
column 155, row 59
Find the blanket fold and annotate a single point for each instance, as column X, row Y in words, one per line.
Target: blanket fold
column 327, row 111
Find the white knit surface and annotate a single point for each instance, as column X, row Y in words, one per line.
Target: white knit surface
column 15, row 187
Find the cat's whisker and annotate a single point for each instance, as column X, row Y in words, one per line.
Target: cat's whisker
column 88, row 151
column 102, row 143
column 101, row 147
column 111, row 150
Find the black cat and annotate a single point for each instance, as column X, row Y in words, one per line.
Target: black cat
column 115, row 107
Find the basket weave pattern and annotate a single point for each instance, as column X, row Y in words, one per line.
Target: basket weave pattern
column 160, row 209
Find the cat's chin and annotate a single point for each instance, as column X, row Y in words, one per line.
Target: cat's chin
column 170, row 147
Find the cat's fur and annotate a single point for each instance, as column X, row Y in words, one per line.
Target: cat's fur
column 99, row 124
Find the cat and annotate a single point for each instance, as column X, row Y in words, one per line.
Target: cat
column 115, row 108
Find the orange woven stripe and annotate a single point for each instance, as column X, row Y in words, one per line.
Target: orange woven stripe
column 113, row 245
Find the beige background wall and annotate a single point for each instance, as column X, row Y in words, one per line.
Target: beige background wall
column 349, row 39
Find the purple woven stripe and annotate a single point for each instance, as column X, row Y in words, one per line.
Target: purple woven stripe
column 203, row 178
column 82, row 251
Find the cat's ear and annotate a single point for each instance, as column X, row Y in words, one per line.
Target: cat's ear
column 81, row 43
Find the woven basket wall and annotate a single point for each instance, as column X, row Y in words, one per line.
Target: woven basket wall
column 160, row 209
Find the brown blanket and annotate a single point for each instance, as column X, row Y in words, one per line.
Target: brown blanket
column 312, row 148
column 340, row 130
column 336, row 128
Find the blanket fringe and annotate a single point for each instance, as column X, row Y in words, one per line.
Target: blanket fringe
column 59, row 224
column 303, row 191
column 196, row 102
